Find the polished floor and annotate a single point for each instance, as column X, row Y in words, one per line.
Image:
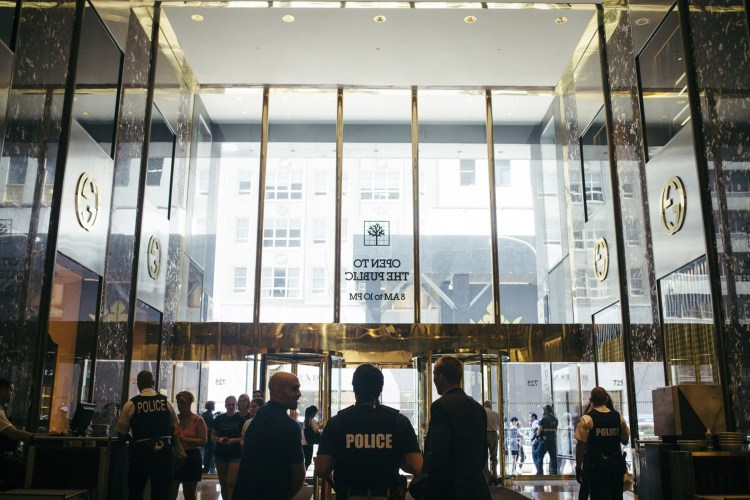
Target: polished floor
column 541, row 489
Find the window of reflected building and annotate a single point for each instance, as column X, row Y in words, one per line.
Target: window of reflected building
column 454, row 225
column 663, row 81
column 377, row 272
column 527, row 202
column 146, row 343
column 300, row 197
column 237, row 190
column 687, row 316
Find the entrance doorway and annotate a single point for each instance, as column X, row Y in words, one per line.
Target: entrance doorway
column 314, row 370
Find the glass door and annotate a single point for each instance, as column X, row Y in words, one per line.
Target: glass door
column 314, row 372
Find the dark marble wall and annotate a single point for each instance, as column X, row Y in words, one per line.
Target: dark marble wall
column 719, row 31
column 33, row 130
column 114, row 334
column 628, row 146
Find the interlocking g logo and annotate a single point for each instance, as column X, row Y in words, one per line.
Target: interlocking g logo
column 153, row 257
column 673, row 204
column 601, row 259
column 87, row 201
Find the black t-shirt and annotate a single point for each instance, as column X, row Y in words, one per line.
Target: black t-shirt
column 231, row 427
column 273, row 443
column 548, row 423
column 367, row 443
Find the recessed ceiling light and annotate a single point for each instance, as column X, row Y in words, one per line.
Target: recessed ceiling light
column 470, row 19
column 85, row 113
column 561, row 20
column 641, row 21
column 379, row 19
column 197, row 18
column 288, row 18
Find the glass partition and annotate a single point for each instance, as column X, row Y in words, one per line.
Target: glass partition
column 71, row 344
column 454, row 225
column 664, row 85
column 377, row 272
column 299, row 214
column 685, row 300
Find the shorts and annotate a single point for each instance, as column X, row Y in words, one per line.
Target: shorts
column 514, row 453
column 192, row 468
column 225, row 461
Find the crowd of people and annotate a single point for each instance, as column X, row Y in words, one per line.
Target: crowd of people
column 258, row 451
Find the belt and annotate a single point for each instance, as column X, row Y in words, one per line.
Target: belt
column 165, row 439
column 372, row 492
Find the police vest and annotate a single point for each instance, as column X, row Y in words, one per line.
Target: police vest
column 151, row 418
column 604, row 436
column 371, row 451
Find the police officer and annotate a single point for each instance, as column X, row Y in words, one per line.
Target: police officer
column 367, row 443
column 148, row 422
column 599, row 435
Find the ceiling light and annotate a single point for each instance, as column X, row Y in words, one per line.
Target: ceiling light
column 288, row 18
column 641, row 21
column 85, row 113
column 561, row 20
column 379, row 19
column 470, row 19
column 197, row 18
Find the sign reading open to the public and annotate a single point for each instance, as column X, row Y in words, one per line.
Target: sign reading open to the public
column 376, row 269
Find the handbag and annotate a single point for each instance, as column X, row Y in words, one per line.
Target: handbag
column 178, row 454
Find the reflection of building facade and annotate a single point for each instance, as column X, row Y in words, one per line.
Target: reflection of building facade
column 589, row 229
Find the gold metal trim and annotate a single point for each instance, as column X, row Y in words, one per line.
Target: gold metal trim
column 678, row 208
column 416, row 283
column 87, row 201
column 339, row 203
column 261, row 204
column 490, row 129
column 601, row 259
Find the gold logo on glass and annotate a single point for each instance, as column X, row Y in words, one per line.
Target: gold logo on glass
column 601, row 259
column 673, row 205
column 87, row 201
column 154, row 257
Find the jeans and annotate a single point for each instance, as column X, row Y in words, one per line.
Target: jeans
column 535, row 456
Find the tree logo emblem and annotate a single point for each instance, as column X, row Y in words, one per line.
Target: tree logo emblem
column 377, row 233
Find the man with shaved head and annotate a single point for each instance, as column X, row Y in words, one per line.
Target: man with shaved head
column 273, row 464
column 599, row 435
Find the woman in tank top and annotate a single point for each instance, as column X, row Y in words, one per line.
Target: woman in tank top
column 191, row 431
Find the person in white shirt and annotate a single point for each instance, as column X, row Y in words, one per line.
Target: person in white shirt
column 493, row 427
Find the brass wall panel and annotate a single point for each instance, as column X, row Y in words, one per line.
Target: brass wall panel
column 379, row 343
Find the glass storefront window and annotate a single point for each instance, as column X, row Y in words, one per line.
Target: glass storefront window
column 238, row 180
column 664, row 85
column 527, row 202
column 299, row 214
column 71, row 347
column 687, row 314
column 454, row 225
column 377, row 272
column 146, row 343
